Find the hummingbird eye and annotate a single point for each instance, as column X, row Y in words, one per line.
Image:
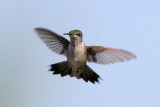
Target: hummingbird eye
column 78, row 34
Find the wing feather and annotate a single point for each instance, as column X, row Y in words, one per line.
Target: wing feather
column 105, row 55
column 55, row 42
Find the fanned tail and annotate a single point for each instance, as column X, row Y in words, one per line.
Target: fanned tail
column 61, row 68
column 90, row 75
column 87, row 75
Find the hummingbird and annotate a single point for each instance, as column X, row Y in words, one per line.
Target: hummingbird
column 78, row 54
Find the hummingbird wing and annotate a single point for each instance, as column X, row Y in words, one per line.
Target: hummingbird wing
column 55, row 42
column 105, row 55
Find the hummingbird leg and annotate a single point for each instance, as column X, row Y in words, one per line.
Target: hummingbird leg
column 78, row 73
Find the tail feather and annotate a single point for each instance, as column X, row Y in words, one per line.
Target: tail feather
column 87, row 75
column 90, row 75
column 61, row 68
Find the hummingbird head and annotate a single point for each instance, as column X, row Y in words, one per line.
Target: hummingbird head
column 75, row 36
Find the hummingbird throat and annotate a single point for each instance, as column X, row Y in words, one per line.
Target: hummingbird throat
column 75, row 42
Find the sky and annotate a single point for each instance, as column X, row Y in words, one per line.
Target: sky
column 132, row 25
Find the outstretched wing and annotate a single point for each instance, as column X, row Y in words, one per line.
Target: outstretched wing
column 55, row 42
column 104, row 55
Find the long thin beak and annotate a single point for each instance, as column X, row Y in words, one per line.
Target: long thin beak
column 67, row 34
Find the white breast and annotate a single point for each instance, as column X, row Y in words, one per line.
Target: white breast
column 76, row 55
column 77, row 51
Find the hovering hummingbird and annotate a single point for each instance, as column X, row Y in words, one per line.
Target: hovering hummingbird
column 78, row 54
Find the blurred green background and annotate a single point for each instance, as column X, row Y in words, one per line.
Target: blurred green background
column 132, row 25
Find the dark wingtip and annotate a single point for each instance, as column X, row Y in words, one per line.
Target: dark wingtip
column 38, row 29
